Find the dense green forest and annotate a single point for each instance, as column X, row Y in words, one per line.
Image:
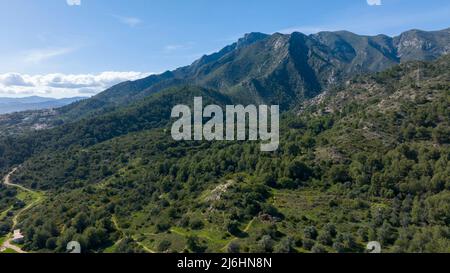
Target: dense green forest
column 368, row 160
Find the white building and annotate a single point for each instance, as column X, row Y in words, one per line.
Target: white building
column 17, row 237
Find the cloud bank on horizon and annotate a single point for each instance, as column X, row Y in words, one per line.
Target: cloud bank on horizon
column 60, row 85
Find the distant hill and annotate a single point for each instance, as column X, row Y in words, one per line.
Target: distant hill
column 10, row 105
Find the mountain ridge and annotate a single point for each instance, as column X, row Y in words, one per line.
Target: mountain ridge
column 279, row 68
column 11, row 105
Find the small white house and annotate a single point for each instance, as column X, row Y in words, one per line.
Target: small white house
column 17, row 237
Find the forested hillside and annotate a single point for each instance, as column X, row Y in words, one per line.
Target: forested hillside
column 367, row 160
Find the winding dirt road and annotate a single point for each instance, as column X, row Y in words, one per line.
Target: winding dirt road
column 7, row 181
column 116, row 225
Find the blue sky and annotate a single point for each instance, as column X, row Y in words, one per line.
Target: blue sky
column 69, row 47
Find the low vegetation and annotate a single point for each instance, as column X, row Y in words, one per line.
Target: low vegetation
column 367, row 161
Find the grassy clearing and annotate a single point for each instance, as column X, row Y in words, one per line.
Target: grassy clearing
column 112, row 249
column 2, row 240
column 4, row 213
column 9, row 251
column 30, row 198
column 152, row 241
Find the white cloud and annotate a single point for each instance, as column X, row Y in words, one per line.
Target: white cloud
column 73, row 2
column 374, row 2
column 172, row 47
column 62, row 85
column 176, row 47
column 38, row 55
column 130, row 21
column 13, row 79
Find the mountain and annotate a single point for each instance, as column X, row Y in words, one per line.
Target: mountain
column 364, row 155
column 10, row 105
column 422, row 45
column 366, row 160
column 278, row 68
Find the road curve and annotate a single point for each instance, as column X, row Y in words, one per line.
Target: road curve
column 7, row 244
